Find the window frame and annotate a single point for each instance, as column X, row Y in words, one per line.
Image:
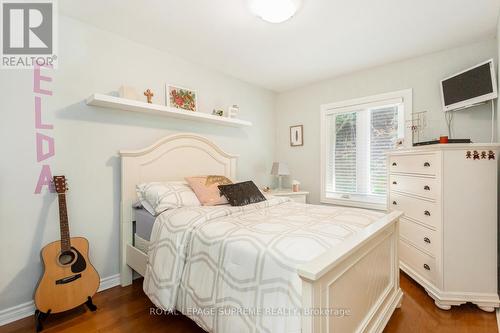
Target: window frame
column 341, row 107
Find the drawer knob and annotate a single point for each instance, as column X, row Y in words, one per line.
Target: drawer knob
column 427, row 213
column 427, row 240
column 394, row 183
column 427, row 267
column 427, row 188
column 427, row 164
column 394, row 164
column 394, row 203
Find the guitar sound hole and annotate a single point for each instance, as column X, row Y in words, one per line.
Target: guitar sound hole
column 66, row 258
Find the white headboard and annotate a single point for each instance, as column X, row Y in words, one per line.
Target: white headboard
column 171, row 158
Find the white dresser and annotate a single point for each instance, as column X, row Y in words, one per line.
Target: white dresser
column 448, row 235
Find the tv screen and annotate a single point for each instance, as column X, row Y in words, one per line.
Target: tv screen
column 473, row 86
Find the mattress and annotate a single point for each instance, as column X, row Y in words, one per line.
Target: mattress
column 143, row 223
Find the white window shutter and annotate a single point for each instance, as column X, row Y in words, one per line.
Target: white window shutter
column 383, row 133
column 345, row 153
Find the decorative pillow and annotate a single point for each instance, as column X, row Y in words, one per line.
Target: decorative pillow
column 242, row 194
column 206, row 189
column 157, row 197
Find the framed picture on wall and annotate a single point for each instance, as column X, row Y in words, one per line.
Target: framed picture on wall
column 296, row 135
column 181, row 98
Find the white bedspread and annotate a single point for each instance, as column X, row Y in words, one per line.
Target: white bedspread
column 233, row 269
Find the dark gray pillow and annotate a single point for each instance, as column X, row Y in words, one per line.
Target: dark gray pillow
column 241, row 194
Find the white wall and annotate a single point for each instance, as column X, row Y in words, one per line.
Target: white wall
column 498, row 76
column 87, row 141
column 498, row 139
column 423, row 74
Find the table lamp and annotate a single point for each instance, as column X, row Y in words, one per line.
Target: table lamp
column 279, row 169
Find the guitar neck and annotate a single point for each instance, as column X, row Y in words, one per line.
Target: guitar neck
column 64, row 224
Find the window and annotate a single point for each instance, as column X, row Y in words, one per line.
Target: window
column 355, row 138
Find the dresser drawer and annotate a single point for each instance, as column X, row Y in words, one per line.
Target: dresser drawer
column 421, row 210
column 424, row 187
column 420, row 236
column 424, row 164
column 417, row 260
column 298, row 198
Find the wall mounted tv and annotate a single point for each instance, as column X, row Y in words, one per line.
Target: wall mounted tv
column 469, row 87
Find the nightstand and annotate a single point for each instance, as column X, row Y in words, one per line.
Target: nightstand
column 300, row 196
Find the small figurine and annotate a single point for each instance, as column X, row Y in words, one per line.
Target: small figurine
column 491, row 155
column 232, row 111
column 483, row 155
column 219, row 113
column 468, row 154
column 476, row 155
column 149, row 94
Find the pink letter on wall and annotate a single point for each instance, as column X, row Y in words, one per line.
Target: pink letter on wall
column 44, row 179
column 38, row 115
column 44, row 144
column 36, row 82
column 40, row 155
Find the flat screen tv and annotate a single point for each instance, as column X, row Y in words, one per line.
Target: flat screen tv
column 469, row 87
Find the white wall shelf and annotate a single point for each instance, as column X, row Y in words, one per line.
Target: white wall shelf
column 112, row 102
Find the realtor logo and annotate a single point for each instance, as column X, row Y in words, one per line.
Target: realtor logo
column 28, row 33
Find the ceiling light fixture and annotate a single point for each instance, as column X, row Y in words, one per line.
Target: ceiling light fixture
column 274, row 11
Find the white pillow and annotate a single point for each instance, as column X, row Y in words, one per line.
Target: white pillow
column 156, row 197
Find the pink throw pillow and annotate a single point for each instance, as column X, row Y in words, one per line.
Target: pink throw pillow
column 206, row 189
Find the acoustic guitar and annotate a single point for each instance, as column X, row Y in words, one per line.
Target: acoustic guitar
column 69, row 279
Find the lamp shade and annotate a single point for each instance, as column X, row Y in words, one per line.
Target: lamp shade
column 280, row 169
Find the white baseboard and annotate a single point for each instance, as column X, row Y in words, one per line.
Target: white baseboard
column 109, row 282
column 28, row 309
column 17, row 312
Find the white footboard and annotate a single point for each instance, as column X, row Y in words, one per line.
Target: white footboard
column 354, row 287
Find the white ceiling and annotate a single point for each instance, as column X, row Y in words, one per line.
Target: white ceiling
column 326, row 38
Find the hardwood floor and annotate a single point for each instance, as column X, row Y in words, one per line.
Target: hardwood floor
column 128, row 310
column 419, row 314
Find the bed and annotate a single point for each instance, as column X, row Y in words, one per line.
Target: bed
column 350, row 284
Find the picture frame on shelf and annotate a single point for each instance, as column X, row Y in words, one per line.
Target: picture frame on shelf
column 129, row 92
column 296, row 135
column 181, row 98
